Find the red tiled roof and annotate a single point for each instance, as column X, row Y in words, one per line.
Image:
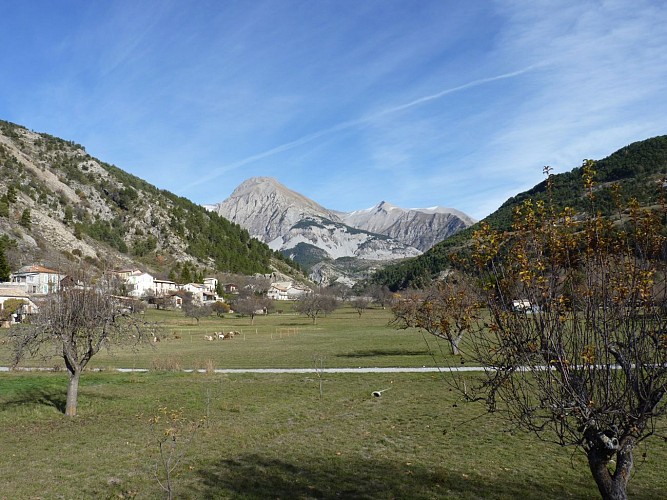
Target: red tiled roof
column 37, row 269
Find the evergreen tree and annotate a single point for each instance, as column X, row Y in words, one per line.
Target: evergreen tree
column 11, row 194
column 186, row 275
column 5, row 271
column 68, row 215
column 26, row 219
column 4, row 207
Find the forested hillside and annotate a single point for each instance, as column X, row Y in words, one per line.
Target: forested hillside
column 639, row 170
column 58, row 203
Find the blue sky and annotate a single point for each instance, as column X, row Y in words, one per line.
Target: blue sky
column 349, row 102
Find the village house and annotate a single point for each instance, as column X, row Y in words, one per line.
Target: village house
column 123, row 274
column 278, row 291
column 164, row 287
column 175, row 299
column 197, row 290
column 285, row 290
column 210, row 284
column 139, row 284
column 37, row 279
column 201, row 293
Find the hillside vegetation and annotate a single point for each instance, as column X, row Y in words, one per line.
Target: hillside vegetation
column 638, row 169
column 59, row 204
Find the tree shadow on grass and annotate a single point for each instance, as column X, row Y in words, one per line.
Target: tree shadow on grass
column 47, row 396
column 55, row 397
column 369, row 353
column 255, row 477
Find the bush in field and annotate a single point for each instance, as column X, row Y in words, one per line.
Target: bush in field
column 220, row 308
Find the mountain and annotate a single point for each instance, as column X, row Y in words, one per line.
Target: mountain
column 61, row 207
column 639, row 169
column 307, row 232
column 268, row 210
column 420, row 228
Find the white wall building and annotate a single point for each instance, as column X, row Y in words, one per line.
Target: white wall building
column 37, row 279
column 197, row 290
column 285, row 290
column 139, row 284
column 210, row 284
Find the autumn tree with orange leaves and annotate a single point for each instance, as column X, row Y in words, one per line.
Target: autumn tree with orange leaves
column 586, row 364
column 446, row 310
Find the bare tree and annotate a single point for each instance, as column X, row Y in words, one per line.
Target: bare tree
column 194, row 309
column 360, row 304
column 75, row 323
column 314, row 305
column 173, row 433
column 381, row 294
column 338, row 290
column 586, row 364
column 252, row 305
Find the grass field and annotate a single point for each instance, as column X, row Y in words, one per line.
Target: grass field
column 343, row 339
column 277, row 436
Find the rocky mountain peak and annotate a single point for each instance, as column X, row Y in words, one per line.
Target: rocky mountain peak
column 386, row 206
column 266, row 184
column 267, row 209
column 269, row 189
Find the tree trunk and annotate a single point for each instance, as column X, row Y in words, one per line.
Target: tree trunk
column 72, row 393
column 612, row 486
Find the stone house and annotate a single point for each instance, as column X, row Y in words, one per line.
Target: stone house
column 164, row 287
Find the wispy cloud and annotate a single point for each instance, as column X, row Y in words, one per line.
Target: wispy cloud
column 459, row 88
column 352, row 123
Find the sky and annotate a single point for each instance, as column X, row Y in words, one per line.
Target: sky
column 349, row 102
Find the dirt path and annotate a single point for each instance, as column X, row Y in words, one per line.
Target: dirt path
column 424, row 369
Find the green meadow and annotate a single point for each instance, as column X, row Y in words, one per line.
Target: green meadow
column 314, row 435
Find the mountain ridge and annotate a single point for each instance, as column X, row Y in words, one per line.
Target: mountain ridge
column 420, row 228
column 310, row 234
